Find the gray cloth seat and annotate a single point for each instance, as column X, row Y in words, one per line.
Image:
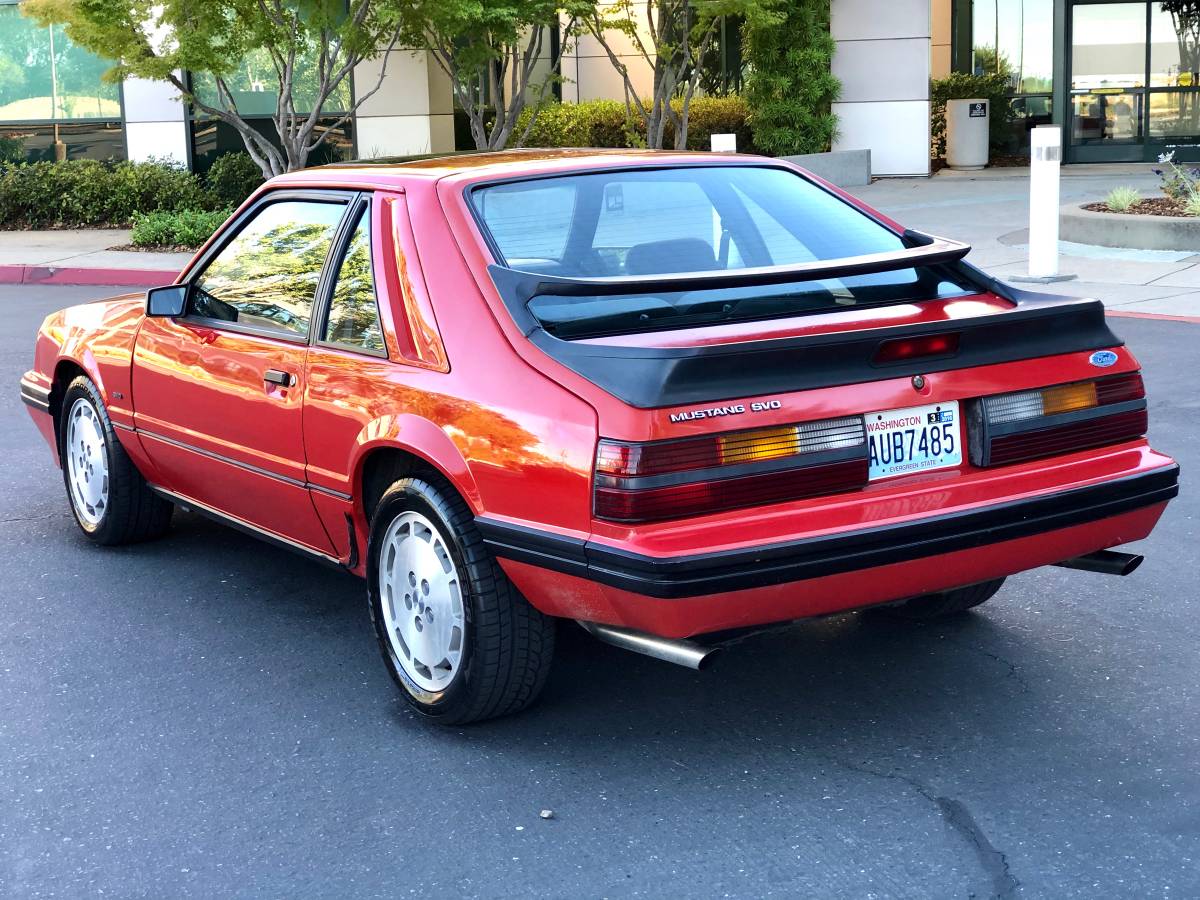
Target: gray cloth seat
column 676, row 255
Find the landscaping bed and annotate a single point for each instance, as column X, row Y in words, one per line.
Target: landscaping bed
column 1151, row 206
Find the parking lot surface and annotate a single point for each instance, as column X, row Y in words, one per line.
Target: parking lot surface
column 206, row 716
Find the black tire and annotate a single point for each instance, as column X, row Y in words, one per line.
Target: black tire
column 944, row 603
column 131, row 512
column 507, row 645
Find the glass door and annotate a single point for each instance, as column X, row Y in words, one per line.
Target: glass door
column 1135, row 81
column 1108, row 82
column 1174, row 98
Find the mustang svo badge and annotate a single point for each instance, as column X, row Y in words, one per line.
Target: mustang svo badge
column 1103, row 358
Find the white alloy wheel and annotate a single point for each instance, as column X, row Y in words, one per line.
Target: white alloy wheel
column 421, row 595
column 87, row 463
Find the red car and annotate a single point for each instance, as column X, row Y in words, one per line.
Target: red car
column 662, row 394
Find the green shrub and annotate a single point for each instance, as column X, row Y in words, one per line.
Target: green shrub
column 1122, row 199
column 177, row 228
column 12, row 149
column 1191, row 205
column 592, row 123
column 232, row 178
column 715, row 115
column 963, row 86
column 789, row 86
column 606, row 123
column 86, row 192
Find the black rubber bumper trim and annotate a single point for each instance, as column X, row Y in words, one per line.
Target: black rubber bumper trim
column 677, row 577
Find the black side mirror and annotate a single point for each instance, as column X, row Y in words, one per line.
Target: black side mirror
column 168, row 301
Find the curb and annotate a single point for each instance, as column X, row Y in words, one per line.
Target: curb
column 55, row 275
column 1109, row 229
column 1166, row 317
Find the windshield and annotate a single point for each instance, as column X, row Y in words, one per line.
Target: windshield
column 690, row 219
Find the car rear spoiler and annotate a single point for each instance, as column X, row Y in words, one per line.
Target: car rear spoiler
column 518, row 287
column 1036, row 325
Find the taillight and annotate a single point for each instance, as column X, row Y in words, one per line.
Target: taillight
column 691, row 476
column 1023, row 425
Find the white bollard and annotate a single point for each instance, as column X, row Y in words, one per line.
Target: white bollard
column 724, row 143
column 1045, row 155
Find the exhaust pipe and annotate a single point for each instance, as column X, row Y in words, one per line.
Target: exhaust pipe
column 1106, row 562
column 683, row 653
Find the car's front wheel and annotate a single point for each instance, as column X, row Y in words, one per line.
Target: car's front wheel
column 459, row 640
column 109, row 497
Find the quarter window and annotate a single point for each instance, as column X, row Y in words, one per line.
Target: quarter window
column 266, row 277
column 353, row 313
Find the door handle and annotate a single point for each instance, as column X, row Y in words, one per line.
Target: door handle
column 283, row 379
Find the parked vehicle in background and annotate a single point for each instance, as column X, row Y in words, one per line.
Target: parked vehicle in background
column 662, row 394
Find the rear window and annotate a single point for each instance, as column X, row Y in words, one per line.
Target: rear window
column 690, row 219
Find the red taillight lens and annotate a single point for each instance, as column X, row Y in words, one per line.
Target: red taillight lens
column 1068, row 438
column 903, row 349
column 692, row 476
column 1061, row 419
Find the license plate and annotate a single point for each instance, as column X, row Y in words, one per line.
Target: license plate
column 916, row 439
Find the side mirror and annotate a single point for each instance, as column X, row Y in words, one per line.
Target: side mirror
column 168, row 301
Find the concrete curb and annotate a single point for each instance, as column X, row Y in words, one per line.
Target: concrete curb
column 55, row 275
column 1084, row 226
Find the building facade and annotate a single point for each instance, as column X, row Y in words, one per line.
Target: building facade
column 1121, row 78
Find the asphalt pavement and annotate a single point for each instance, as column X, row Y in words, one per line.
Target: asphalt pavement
column 206, row 716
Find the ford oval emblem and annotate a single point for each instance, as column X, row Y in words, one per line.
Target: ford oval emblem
column 1103, row 358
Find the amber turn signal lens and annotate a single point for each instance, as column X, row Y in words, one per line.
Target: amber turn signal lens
column 755, row 446
column 1069, row 397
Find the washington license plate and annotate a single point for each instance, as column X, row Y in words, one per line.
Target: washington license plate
column 916, row 439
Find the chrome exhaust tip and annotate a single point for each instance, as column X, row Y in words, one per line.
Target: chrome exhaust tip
column 682, row 653
column 1106, row 562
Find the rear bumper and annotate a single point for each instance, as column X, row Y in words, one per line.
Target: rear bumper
column 687, row 576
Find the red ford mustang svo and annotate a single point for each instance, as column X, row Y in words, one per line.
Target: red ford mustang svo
column 662, row 394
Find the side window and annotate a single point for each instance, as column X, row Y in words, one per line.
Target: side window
column 353, row 313
column 267, row 275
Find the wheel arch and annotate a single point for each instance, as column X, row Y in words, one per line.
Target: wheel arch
column 66, row 370
column 414, row 445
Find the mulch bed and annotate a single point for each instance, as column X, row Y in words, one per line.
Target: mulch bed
column 157, row 248
column 1154, row 206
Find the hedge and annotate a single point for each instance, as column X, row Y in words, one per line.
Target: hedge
column 182, row 228
column 85, row 192
column 606, row 123
column 962, row 86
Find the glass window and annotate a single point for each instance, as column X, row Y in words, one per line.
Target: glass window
column 353, row 313
column 530, row 221
column 45, row 77
column 266, row 277
column 1175, row 45
column 1015, row 38
column 691, row 219
column 255, row 86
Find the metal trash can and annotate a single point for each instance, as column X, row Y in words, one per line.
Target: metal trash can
column 967, row 134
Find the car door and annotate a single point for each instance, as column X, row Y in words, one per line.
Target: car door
column 218, row 392
column 376, row 352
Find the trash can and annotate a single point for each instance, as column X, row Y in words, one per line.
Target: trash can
column 967, row 134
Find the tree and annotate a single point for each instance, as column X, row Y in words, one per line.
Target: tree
column 311, row 48
column 677, row 36
column 491, row 50
column 789, row 87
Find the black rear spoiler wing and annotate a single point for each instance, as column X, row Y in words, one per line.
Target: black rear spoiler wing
column 649, row 377
column 519, row 287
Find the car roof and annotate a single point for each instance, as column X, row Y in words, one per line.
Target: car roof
column 498, row 164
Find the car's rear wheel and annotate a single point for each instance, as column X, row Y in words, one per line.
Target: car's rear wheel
column 944, row 603
column 459, row 640
column 109, row 497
